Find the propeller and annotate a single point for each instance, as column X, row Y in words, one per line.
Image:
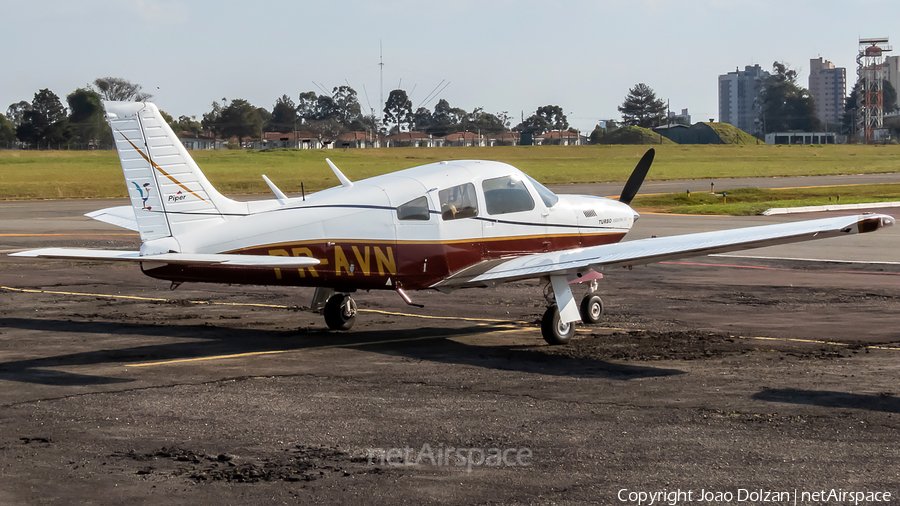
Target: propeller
column 637, row 177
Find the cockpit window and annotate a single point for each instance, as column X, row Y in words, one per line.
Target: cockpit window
column 415, row 209
column 458, row 202
column 506, row 194
column 550, row 199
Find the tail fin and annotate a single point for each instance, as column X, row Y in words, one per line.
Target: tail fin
column 169, row 193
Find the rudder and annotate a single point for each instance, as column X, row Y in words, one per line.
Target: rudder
column 169, row 193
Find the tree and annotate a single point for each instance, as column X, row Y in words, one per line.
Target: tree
column 544, row 119
column 46, row 121
column 16, row 112
column 188, row 124
column 307, row 106
column 120, row 90
column 210, row 121
column 240, row 119
column 86, row 116
column 398, row 109
column 284, row 115
column 7, row 131
column 446, row 120
column 346, row 105
column 423, row 120
column 642, row 108
column 326, row 109
column 784, row 106
column 554, row 116
column 485, row 123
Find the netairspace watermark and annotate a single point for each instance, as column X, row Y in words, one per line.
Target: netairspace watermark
column 755, row 496
column 450, row 456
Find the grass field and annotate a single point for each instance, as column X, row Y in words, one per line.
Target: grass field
column 753, row 201
column 81, row 174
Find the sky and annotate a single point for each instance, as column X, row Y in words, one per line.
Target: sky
column 508, row 56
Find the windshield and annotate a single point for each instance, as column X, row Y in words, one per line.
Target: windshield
column 550, row 199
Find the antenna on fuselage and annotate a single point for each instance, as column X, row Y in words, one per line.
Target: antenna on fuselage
column 346, row 183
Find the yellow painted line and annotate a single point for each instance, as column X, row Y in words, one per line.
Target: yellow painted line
column 298, row 350
column 247, row 304
column 278, row 352
column 813, row 341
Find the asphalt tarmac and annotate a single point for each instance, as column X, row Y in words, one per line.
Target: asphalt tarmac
column 768, row 375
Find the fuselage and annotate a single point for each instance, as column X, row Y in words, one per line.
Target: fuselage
column 408, row 229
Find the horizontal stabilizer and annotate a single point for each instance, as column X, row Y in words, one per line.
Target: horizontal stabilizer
column 170, row 258
column 121, row 216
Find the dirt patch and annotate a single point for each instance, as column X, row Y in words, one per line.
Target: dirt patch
column 300, row 463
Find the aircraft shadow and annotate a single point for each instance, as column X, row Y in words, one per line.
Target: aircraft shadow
column 828, row 399
column 425, row 343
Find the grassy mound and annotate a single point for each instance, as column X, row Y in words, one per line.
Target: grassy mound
column 731, row 134
column 633, row 135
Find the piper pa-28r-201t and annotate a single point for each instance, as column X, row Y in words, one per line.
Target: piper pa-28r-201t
column 441, row 226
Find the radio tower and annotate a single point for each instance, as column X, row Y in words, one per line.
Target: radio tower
column 870, row 100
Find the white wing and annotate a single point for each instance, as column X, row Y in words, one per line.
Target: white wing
column 170, row 258
column 644, row 251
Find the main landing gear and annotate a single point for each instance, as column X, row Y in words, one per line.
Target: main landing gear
column 555, row 331
column 340, row 311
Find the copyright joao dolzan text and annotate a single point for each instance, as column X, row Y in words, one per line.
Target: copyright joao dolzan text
column 755, row 496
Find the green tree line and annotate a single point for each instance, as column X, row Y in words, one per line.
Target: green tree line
column 47, row 122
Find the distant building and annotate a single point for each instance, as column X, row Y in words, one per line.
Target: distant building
column 413, row 140
column 558, row 137
column 738, row 92
column 801, row 138
column 357, row 140
column 828, row 86
column 892, row 74
column 194, row 141
column 467, row 139
column 685, row 117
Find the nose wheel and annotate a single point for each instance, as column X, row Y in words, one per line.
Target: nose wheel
column 340, row 312
column 591, row 308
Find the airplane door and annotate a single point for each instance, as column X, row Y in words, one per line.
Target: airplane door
column 419, row 252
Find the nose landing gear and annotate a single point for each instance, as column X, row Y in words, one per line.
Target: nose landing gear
column 340, row 312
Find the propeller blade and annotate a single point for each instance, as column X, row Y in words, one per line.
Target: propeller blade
column 637, row 177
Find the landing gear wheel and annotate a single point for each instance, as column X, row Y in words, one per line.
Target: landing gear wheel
column 554, row 330
column 340, row 312
column 591, row 308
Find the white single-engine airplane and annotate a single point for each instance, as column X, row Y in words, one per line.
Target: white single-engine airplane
column 442, row 226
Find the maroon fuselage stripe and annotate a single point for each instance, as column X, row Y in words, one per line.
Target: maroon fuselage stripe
column 365, row 265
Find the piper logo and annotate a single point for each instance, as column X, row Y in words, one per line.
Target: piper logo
column 178, row 197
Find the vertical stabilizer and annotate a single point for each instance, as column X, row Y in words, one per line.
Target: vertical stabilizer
column 169, row 194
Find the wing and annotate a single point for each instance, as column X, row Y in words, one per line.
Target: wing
column 581, row 261
column 170, row 258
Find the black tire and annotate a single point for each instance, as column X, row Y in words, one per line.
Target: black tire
column 340, row 312
column 591, row 308
column 554, row 330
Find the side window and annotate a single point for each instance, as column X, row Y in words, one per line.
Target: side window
column 415, row 209
column 550, row 199
column 506, row 195
column 458, row 202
